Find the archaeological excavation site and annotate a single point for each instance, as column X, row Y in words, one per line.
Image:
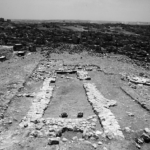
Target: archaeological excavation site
column 74, row 86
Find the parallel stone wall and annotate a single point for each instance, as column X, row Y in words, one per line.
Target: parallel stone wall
column 101, row 107
column 39, row 104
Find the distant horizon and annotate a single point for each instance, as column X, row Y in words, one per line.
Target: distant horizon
column 93, row 10
column 94, row 21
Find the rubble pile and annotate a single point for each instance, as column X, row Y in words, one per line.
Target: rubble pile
column 44, row 70
column 138, row 79
column 83, row 75
column 40, row 72
column 143, row 138
column 39, row 104
column 101, row 107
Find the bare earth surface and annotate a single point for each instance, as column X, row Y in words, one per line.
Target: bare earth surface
column 35, row 93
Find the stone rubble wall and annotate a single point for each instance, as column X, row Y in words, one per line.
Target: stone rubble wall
column 54, row 127
column 40, row 103
column 101, row 107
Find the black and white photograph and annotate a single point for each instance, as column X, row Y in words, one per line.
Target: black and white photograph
column 74, row 74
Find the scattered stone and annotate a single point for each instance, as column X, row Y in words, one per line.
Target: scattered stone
column 26, row 95
column 75, row 138
column 94, row 119
column 2, row 58
column 93, row 138
column 138, row 146
column 147, row 130
column 80, row 139
column 26, row 134
column 69, row 77
column 1, row 116
column 62, row 76
column 91, row 117
column 39, row 126
column 52, row 134
column 87, row 142
column 133, row 86
column 80, row 115
column 25, row 124
column 35, row 121
column 64, row 115
column 10, row 122
column 141, row 74
column 127, row 129
column 140, row 140
column 94, row 145
column 140, row 85
column 34, row 133
column 99, row 143
column 111, row 103
column 15, row 119
column 89, row 69
column 86, row 134
column 130, row 84
column 98, row 133
column 130, row 114
column 64, row 139
column 146, row 137
column 122, row 78
column 53, row 141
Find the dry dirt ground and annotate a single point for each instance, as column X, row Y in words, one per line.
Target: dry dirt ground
column 35, row 91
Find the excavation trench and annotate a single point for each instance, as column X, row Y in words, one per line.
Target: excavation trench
column 69, row 96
